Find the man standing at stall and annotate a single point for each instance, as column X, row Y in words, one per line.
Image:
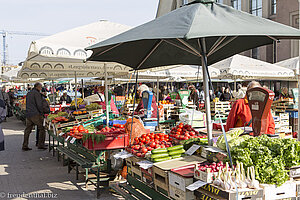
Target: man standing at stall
column 240, row 113
column 34, row 116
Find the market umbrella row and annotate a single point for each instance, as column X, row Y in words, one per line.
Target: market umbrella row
column 200, row 33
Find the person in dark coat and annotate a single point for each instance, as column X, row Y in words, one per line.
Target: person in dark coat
column 34, row 116
column 225, row 96
column 2, row 118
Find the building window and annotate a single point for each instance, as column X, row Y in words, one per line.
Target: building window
column 219, row 1
column 256, row 7
column 236, row 4
column 273, row 5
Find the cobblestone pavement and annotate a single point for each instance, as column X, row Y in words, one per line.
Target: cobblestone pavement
column 36, row 171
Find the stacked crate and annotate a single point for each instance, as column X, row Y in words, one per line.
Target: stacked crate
column 293, row 117
column 220, row 109
column 282, row 124
column 280, row 106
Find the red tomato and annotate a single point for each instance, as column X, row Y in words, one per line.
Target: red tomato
column 179, row 129
column 149, row 148
column 139, row 154
column 157, row 137
column 152, row 136
column 147, row 138
column 166, row 136
column 186, row 138
column 144, row 136
column 180, row 126
column 177, row 137
column 177, row 133
column 143, row 140
column 192, row 133
column 181, row 137
column 144, row 150
column 157, row 146
column 152, row 144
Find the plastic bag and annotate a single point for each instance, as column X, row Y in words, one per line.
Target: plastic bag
column 137, row 128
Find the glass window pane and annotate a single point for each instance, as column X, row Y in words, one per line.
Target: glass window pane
column 259, row 3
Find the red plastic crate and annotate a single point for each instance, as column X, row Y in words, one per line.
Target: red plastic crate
column 113, row 140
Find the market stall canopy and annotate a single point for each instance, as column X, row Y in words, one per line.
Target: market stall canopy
column 202, row 32
column 174, row 38
column 244, row 67
column 182, row 71
column 291, row 63
column 61, row 54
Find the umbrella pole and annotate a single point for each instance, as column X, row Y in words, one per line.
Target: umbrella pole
column 206, row 93
column 76, row 90
column 106, row 96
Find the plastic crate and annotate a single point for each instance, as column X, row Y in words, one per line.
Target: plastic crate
column 112, row 122
column 292, row 114
column 113, row 140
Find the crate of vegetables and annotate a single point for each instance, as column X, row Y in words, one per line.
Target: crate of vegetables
column 207, row 172
column 113, row 139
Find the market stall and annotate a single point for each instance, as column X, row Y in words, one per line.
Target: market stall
column 249, row 172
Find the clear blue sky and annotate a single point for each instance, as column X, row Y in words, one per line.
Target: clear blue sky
column 52, row 16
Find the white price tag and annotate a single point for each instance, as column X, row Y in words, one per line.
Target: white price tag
column 145, row 164
column 49, row 125
column 67, row 138
column 44, row 122
column 72, row 140
column 192, row 149
column 61, row 134
column 196, row 185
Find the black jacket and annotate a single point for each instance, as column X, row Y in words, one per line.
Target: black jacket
column 34, row 103
column 66, row 99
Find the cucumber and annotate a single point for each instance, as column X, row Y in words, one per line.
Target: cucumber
column 162, row 159
column 160, row 150
column 178, row 147
column 180, row 151
column 176, row 156
column 161, row 155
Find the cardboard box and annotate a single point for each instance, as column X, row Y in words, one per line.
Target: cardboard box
column 133, row 168
column 219, row 193
column 206, row 176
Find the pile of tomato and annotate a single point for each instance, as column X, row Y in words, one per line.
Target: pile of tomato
column 112, row 129
column 148, row 142
column 77, row 132
column 185, row 132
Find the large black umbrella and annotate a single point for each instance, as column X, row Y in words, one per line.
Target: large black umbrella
column 202, row 32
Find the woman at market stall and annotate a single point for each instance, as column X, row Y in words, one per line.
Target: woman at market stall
column 140, row 108
column 284, row 93
column 65, row 97
column 240, row 114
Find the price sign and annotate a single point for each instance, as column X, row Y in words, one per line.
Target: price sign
column 67, row 138
column 192, row 149
column 196, row 185
column 72, row 140
column 54, row 130
column 61, row 134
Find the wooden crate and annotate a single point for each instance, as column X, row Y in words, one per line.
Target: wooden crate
column 95, row 113
column 285, row 191
column 178, row 181
column 179, row 194
column 218, row 193
column 161, row 180
column 133, row 168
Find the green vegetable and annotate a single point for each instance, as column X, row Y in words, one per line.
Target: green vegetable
column 199, row 141
column 270, row 156
column 161, row 155
column 180, row 151
column 162, row 159
column 160, row 150
column 231, row 135
column 176, row 156
column 175, row 148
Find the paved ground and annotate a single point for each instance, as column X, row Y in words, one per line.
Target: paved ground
column 37, row 171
